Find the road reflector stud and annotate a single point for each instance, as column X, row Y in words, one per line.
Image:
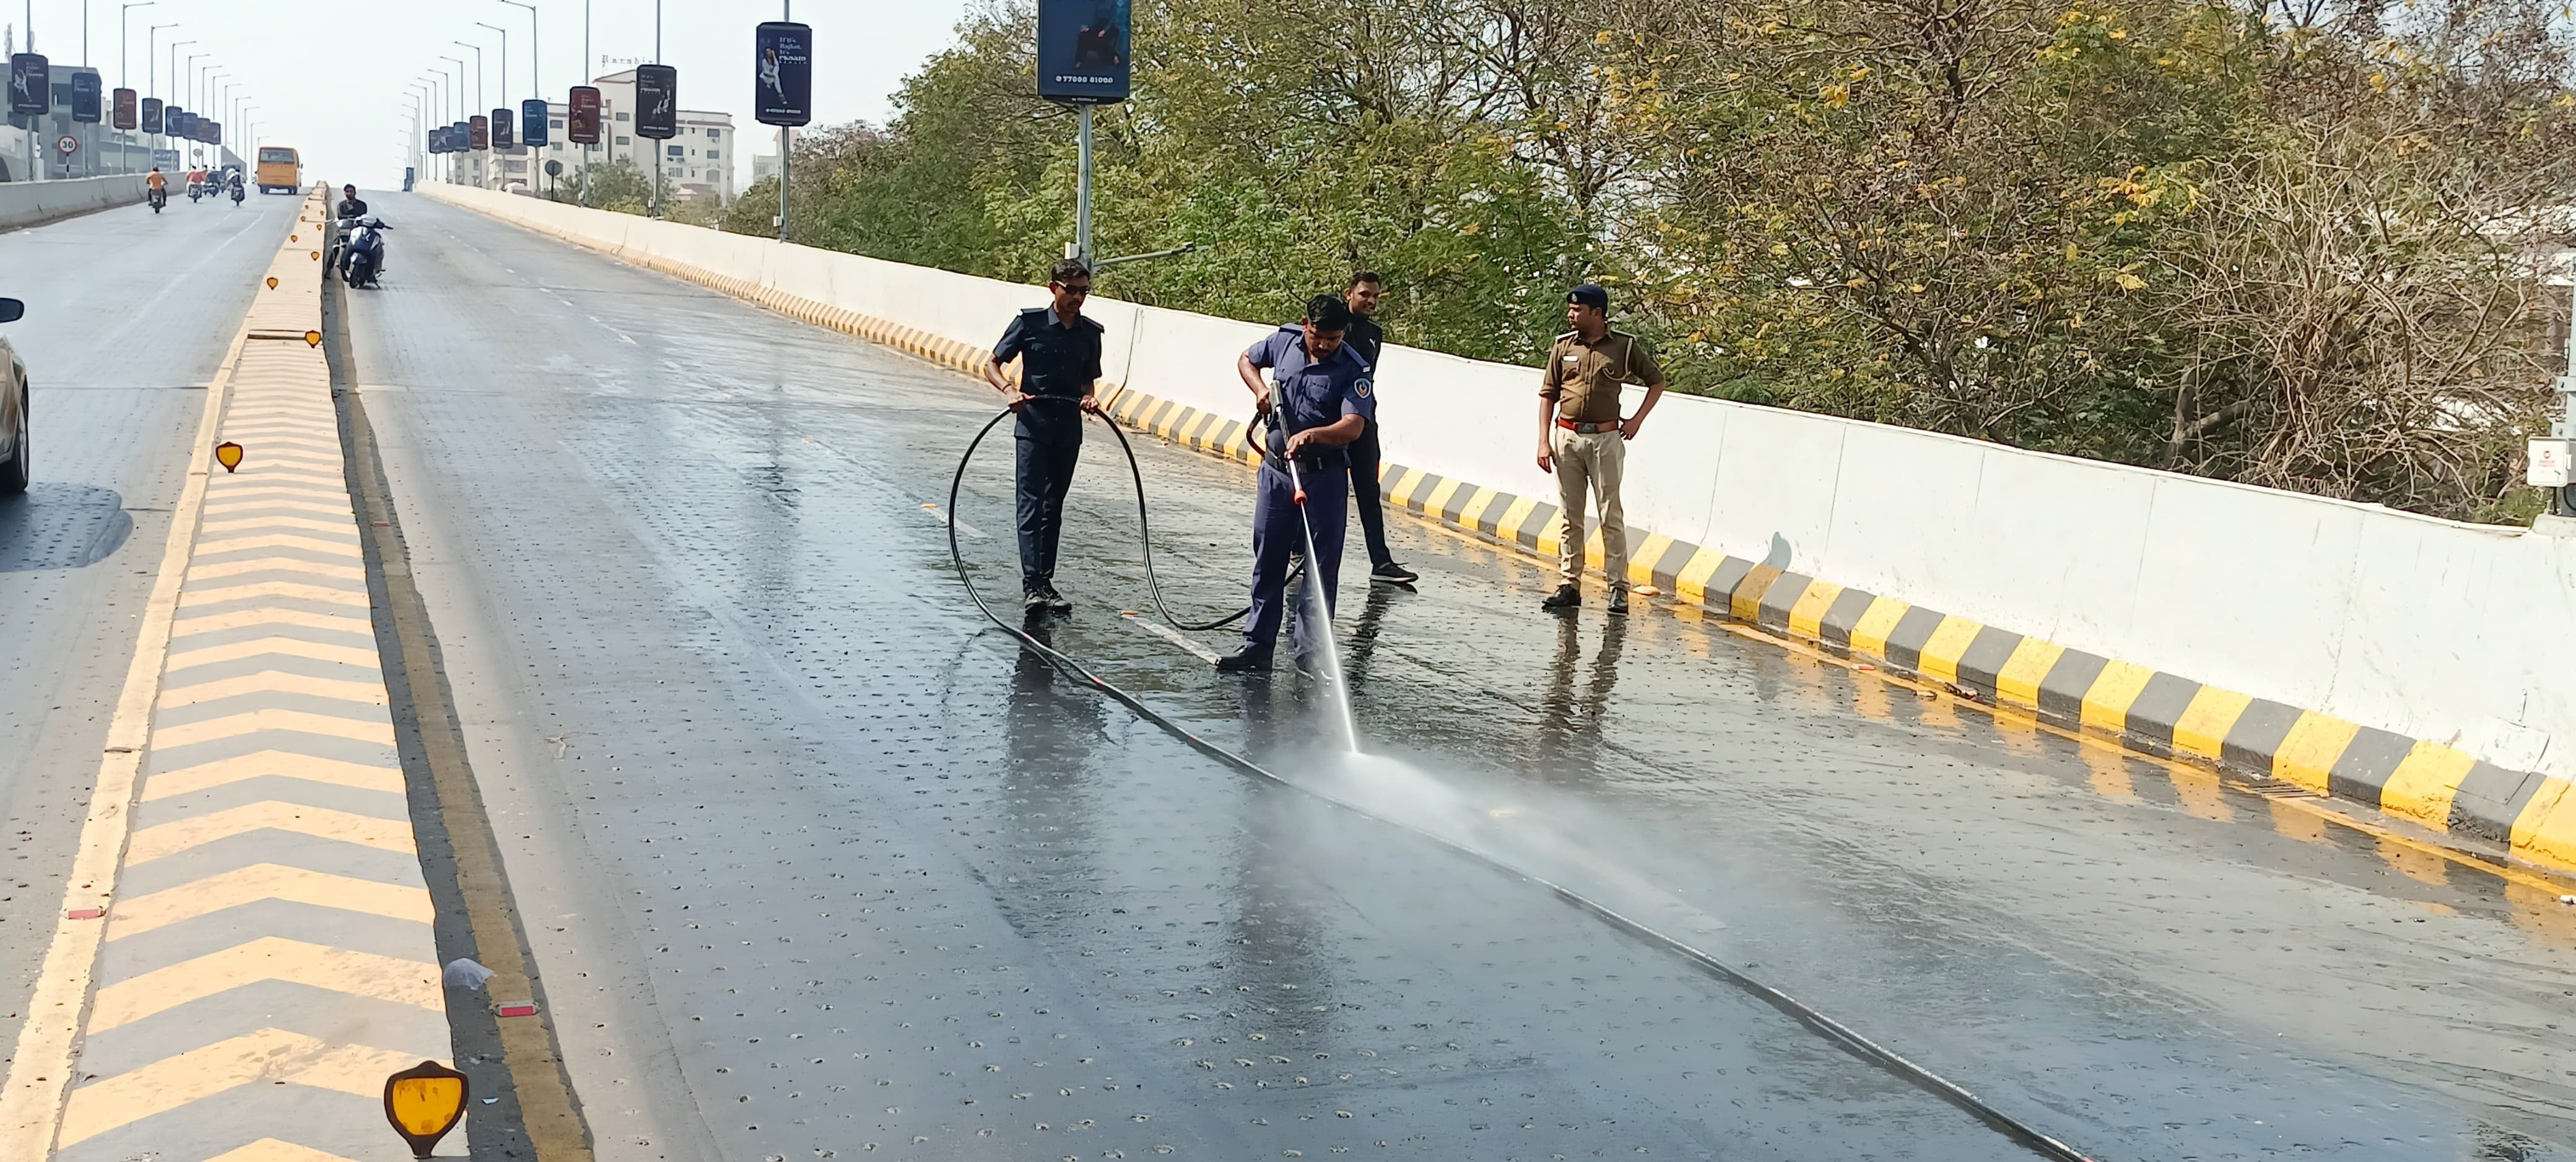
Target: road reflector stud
column 516, row 1010
column 228, row 454
column 317, row 256
column 84, row 913
column 313, row 338
column 272, row 282
column 423, row 1103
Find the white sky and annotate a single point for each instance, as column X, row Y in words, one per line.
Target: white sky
column 333, row 78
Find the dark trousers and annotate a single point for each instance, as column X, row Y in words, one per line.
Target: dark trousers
column 1276, row 532
column 1045, row 471
column 1367, row 493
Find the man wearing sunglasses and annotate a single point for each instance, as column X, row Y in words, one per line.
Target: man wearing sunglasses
column 1059, row 353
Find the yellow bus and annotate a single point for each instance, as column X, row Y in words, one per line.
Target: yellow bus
column 280, row 170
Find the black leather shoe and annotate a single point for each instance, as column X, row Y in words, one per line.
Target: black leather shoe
column 1618, row 601
column 1244, row 661
column 1394, row 574
column 1565, row 597
column 1054, row 600
column 1033, row 602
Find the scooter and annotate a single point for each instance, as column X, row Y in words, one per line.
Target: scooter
column 362, row 250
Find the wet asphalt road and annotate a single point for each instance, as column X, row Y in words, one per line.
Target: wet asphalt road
column 128, row 317
column 816, row 866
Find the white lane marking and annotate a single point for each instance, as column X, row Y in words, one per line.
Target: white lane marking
column 944, row 518
column 629, row 340
column 41, row 1067
column 1173, row 636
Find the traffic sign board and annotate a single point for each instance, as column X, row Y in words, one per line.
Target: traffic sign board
column 67, row 145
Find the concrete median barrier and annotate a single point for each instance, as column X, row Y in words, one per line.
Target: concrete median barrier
column 2411, row 663
column 32, row 203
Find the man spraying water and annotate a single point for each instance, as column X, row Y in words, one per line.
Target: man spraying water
column 1322, row 402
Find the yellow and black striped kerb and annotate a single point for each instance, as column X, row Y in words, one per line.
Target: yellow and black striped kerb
column 2514, row 814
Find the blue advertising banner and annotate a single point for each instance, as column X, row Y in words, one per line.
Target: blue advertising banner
column 782, row 91
column 657, row 102
column 30, row 85
column 533, row 130
column 502, row 138
column 1083, row 56
column 152, row 114
column 86, row 91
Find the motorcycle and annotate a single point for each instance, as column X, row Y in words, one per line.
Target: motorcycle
column 362, row 250
column 158, row 198
column 237, row 192
column 196, row 190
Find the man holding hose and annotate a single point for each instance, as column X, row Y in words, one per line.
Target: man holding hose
column 1059, row 353
column 1321, row 402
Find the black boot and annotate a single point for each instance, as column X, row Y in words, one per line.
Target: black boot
column 1248, row 660
column 1565, row 597
column 1054, row 600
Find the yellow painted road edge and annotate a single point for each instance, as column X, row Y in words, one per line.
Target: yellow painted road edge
column 40, row 1068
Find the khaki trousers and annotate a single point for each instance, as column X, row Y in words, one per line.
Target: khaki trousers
column 1586, row 464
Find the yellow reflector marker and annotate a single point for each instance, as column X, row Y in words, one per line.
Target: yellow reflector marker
column 228, row 454
column 313, row 338
column 317, row 256
column 272, row 282
column 423, row 1103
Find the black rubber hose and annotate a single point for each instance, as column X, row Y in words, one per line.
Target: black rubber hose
column 1840, row 1034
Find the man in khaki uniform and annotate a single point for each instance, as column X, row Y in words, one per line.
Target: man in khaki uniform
column 1584, row 441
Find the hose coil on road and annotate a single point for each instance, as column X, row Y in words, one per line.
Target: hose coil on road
column 1851, row 1040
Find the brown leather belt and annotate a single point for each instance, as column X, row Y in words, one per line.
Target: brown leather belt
column 1582, row 429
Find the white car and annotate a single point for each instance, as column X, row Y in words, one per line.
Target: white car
column 14, row 454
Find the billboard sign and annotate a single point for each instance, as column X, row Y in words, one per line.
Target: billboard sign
column 30, row 85
column 581, row 126
column 150, row 117
column 86, row 91
column 502, row 138
column 121, row 106
column 783, row 73
column 214, row 132
column 479, row 131
column 657, row 102
column 532, row 123
column 1083, row 51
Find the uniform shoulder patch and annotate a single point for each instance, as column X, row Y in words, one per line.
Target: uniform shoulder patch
column 1364, row 387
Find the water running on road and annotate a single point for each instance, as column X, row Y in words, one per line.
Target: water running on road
column 1328, row 659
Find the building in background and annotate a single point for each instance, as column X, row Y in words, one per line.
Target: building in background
column 697, row 164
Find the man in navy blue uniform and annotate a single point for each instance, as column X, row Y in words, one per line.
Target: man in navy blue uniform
column 1059, row 353
column 1323, row 400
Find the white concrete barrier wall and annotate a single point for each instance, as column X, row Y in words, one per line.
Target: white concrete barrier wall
column 26, row 203
column 2462, row 634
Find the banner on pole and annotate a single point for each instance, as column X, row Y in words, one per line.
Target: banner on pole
column 534, row 123
column 122, row 114
column 581, row 123
column 1083, row 51
column 657, row 102
column 783, row 73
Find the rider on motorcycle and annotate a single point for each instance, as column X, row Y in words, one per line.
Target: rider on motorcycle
column 237, row 187
column 156, row 187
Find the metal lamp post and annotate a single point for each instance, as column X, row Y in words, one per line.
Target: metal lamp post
column 481, row 164
column 536, row 85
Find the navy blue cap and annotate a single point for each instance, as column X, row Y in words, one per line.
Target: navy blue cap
column 1591, row 294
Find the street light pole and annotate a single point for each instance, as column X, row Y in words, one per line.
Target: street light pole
column 786, row 150
column 456, row 101
column 481, row 163
column 536, row 85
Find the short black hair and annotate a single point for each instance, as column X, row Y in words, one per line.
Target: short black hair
column 1361, row 277
column 1328, row 313
column 1066, row 270
column 1591, row 294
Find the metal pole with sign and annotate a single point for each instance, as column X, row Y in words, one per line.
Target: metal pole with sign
column 657, row 100
column 1084, row 60
column 783, row 87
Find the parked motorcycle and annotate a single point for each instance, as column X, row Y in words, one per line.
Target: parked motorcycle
column 362, row 250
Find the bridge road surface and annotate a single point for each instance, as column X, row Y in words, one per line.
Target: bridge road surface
column 128, row 316
column 814, row 864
